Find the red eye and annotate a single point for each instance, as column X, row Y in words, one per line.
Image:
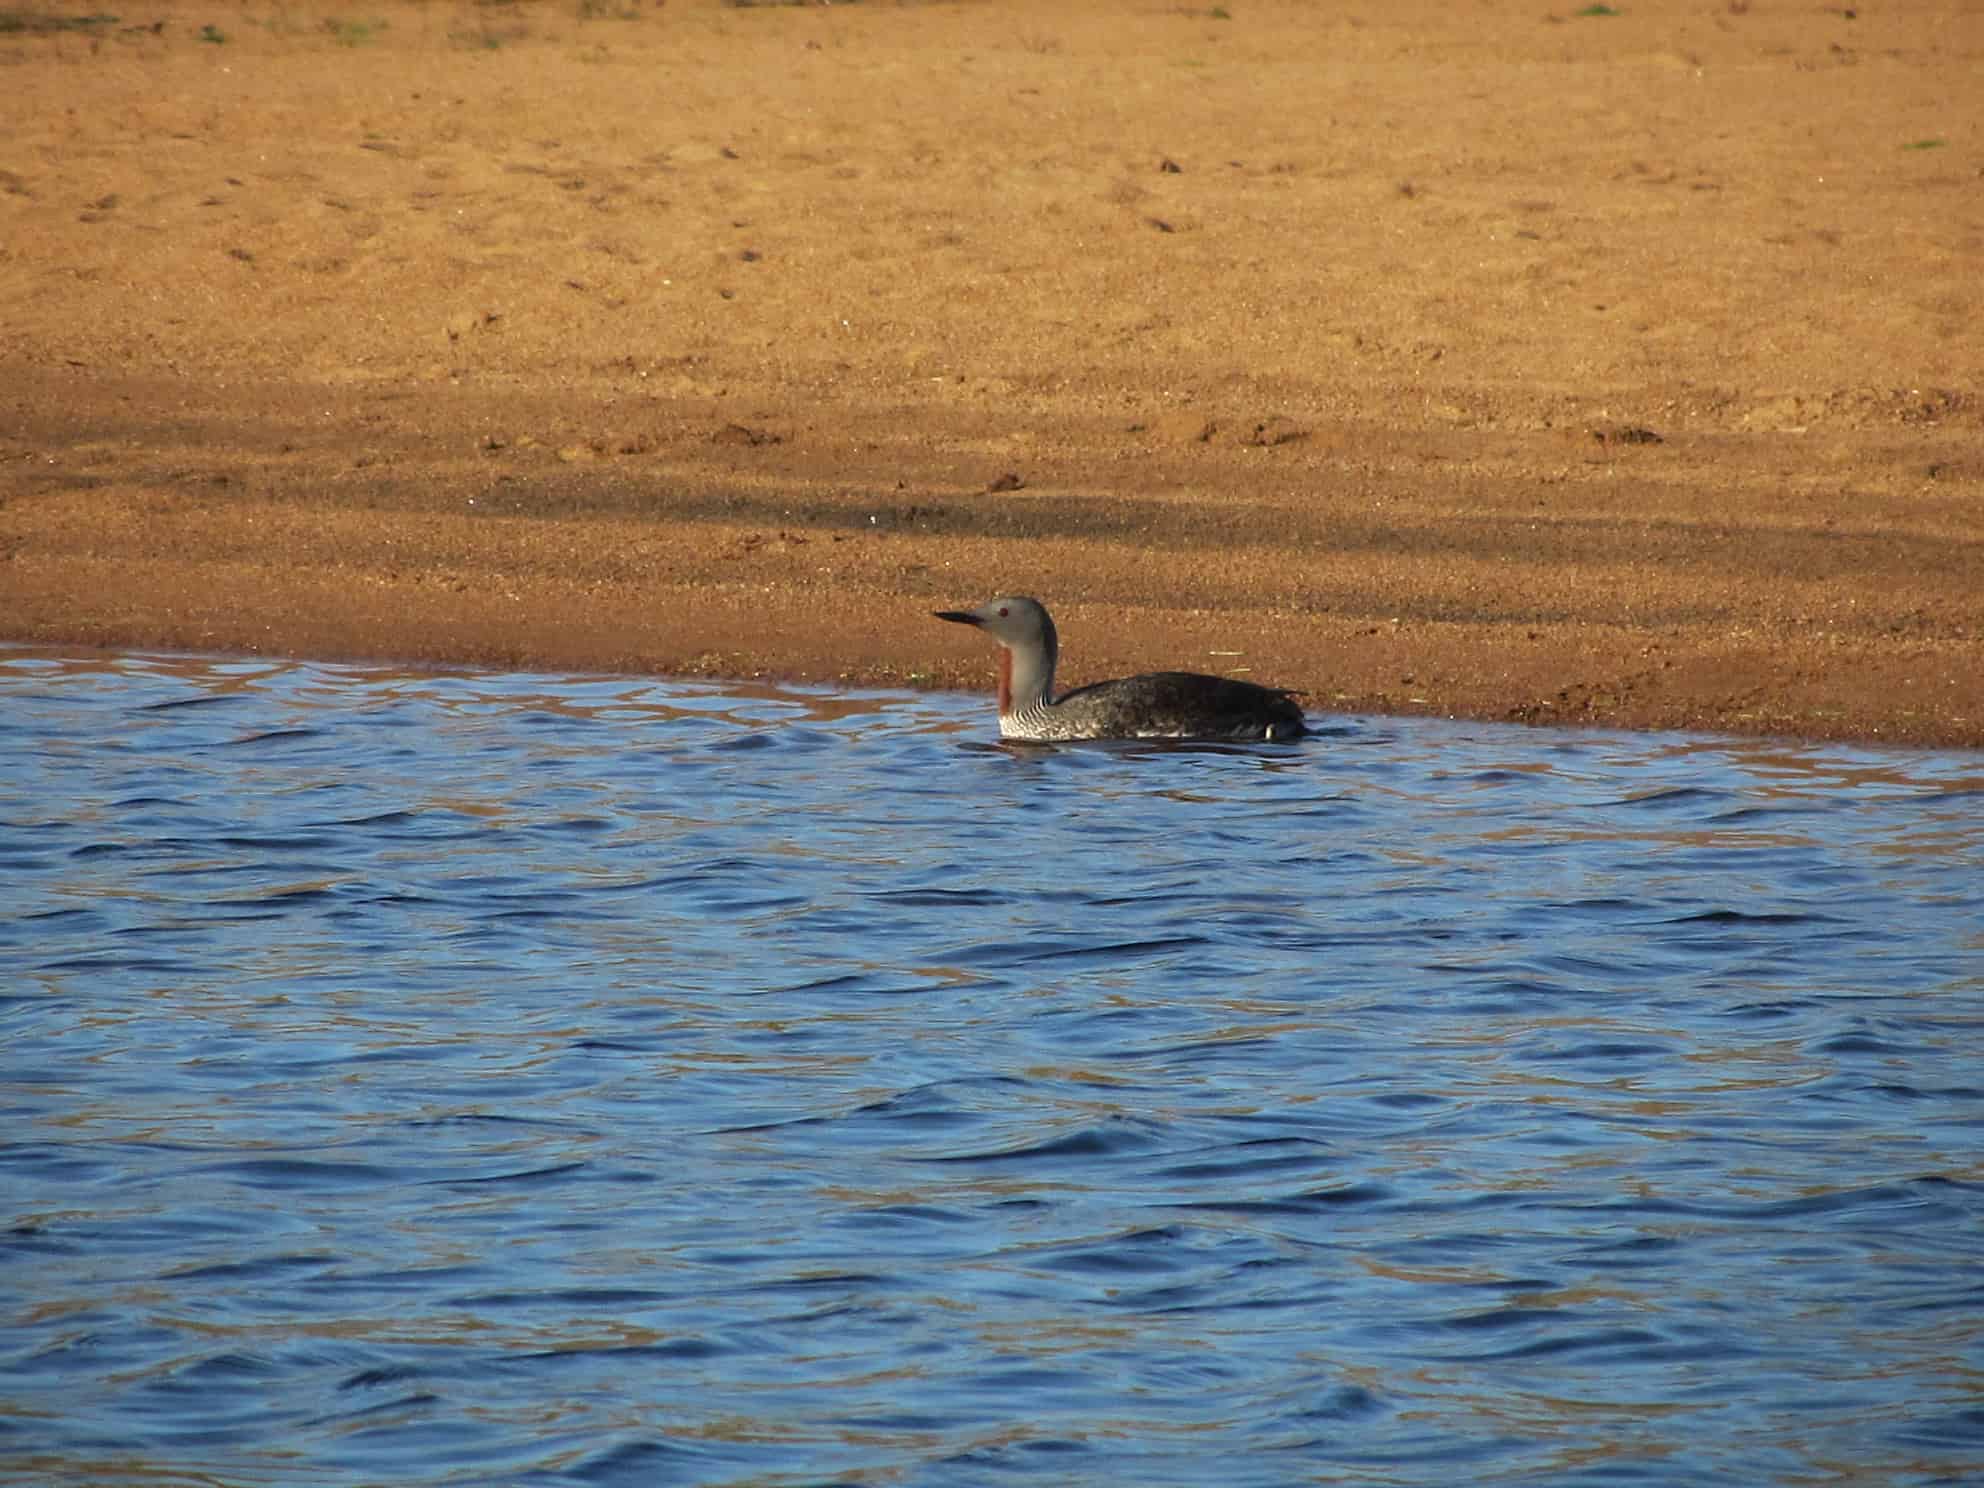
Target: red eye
column 1002, row 612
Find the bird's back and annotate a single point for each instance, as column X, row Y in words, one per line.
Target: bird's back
column 1178, row 705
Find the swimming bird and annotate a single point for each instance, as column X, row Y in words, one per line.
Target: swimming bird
column 1153, row 705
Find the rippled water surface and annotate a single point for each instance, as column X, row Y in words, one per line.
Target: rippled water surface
column 469, row 1079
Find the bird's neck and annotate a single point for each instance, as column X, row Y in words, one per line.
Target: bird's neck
column 1026, row 678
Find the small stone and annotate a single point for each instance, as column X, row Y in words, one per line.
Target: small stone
column 1273, row 431
column 743, row 434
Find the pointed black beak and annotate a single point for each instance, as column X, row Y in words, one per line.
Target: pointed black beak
column 961, row 616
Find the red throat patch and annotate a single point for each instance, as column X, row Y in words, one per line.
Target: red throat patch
column 1005, row 681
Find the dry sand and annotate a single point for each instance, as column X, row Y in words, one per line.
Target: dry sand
column 1475, row 359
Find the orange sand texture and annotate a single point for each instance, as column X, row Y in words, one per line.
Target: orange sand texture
column 1479, row 358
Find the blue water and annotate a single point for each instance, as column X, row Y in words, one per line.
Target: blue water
column 475, row 1079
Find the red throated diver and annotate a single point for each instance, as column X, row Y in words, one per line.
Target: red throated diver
column 1154, row 705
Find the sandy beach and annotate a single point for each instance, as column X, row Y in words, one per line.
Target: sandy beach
column 1611, row 365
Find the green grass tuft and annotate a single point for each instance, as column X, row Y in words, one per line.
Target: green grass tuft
column 353, row 33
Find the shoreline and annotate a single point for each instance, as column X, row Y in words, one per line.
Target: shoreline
column 780, row 681
column 818, row 559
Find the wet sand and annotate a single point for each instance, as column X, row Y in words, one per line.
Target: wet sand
column 1617, row 369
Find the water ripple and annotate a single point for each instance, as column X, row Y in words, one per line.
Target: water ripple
column 592, row 1080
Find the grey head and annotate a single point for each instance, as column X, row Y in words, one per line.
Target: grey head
column 1022, row 626
column 1013, row 620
